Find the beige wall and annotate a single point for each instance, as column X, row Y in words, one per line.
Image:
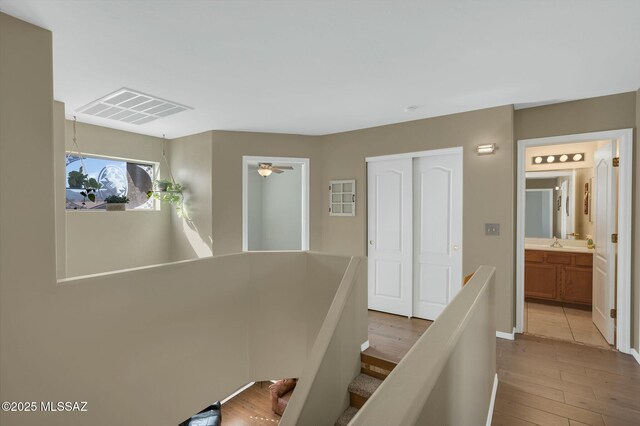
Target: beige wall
column 591, row 115
column 100, row 241
column 27, row 225
column 635, row 289
column 488, row 195
column 228, row 150
column 59, row 169
column 190, row 159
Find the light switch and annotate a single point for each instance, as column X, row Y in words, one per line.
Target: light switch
column 492, row 229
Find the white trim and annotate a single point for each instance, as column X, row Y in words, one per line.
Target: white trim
column 625, row 200
column 405, row 155
column 625, row 235
column 635, row 354
column 492, row 402
column 304, row 164
column 245, row 387
column 506, row 336
column 364, row 346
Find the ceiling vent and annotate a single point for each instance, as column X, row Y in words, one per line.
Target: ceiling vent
column 130, row 106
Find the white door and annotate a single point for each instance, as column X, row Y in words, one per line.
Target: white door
column 604, row 257
column 437, row 182
column 390, row 235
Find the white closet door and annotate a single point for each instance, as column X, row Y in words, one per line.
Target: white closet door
column 604, row 257
column 438, row 233
column 390, row 235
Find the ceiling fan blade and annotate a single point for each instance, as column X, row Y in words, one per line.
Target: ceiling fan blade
column 284, row 167
column 278, row 171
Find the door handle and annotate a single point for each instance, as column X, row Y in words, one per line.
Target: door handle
column 456, row 247
column 371, row 242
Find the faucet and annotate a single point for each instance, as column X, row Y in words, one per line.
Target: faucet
column 556, row 243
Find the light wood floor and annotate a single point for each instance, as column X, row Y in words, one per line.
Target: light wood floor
column 250, row 407
column 574, row 325
column 551, row 382
column 541, row 381
column 391, row 336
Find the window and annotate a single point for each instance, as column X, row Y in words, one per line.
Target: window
column 116, row 177
column 342, row 198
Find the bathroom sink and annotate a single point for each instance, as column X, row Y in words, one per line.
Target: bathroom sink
column 572, row 249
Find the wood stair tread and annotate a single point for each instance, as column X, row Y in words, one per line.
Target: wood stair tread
column 346, row 416
column 364, row 385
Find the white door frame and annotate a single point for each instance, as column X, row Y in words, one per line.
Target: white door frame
column 549, row 192
column 625, row 202
column 304, row 164
column 412, row 155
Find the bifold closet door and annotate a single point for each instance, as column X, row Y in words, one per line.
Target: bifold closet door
column 437, row 183
column 390, row 235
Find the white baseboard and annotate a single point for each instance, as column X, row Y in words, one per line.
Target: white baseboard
column 364, row 346
column 248, row 385
column 636, row 355
column 507, row 336
column 493, row 400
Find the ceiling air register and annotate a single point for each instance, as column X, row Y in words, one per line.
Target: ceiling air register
column 131, row 106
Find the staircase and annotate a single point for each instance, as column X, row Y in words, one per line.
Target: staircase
column 373, row 371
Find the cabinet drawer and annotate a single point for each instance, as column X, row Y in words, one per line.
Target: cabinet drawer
column 584, row 260
column 534, row 256
column 559, row 258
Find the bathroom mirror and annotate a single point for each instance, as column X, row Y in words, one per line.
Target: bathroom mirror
column 557, row 204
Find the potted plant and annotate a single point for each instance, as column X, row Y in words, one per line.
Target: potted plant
column 116, row 203
column 170, row 192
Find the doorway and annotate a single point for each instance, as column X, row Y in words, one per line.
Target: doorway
column 275, row 203
column 566, row 274
column 414, row 232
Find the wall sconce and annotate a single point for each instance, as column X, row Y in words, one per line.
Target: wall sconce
column 562, row 158
column 486, row 149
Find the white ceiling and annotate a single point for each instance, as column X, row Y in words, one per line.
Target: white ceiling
column 317, row 67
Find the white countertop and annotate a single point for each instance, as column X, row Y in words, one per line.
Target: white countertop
column 570, row 246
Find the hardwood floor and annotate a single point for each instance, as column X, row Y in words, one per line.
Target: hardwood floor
column 250, row 407
column 541, row 381
column 391, row 336
column 551, row 382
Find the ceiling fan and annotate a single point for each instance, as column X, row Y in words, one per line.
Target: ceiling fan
column 265, row 169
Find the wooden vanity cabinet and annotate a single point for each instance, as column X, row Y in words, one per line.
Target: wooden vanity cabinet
column 558, row 276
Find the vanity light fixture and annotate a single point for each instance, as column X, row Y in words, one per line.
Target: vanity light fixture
column 562, row 158
column 486, row 149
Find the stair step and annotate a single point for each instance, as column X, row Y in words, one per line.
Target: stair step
column 364, row 385
column 346, row 417
column 376, row 367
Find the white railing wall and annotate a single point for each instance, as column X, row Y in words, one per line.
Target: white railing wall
column 321, row 394
column 155, row 345
column 447, row 378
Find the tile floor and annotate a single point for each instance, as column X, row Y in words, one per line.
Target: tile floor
column 561, row 323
